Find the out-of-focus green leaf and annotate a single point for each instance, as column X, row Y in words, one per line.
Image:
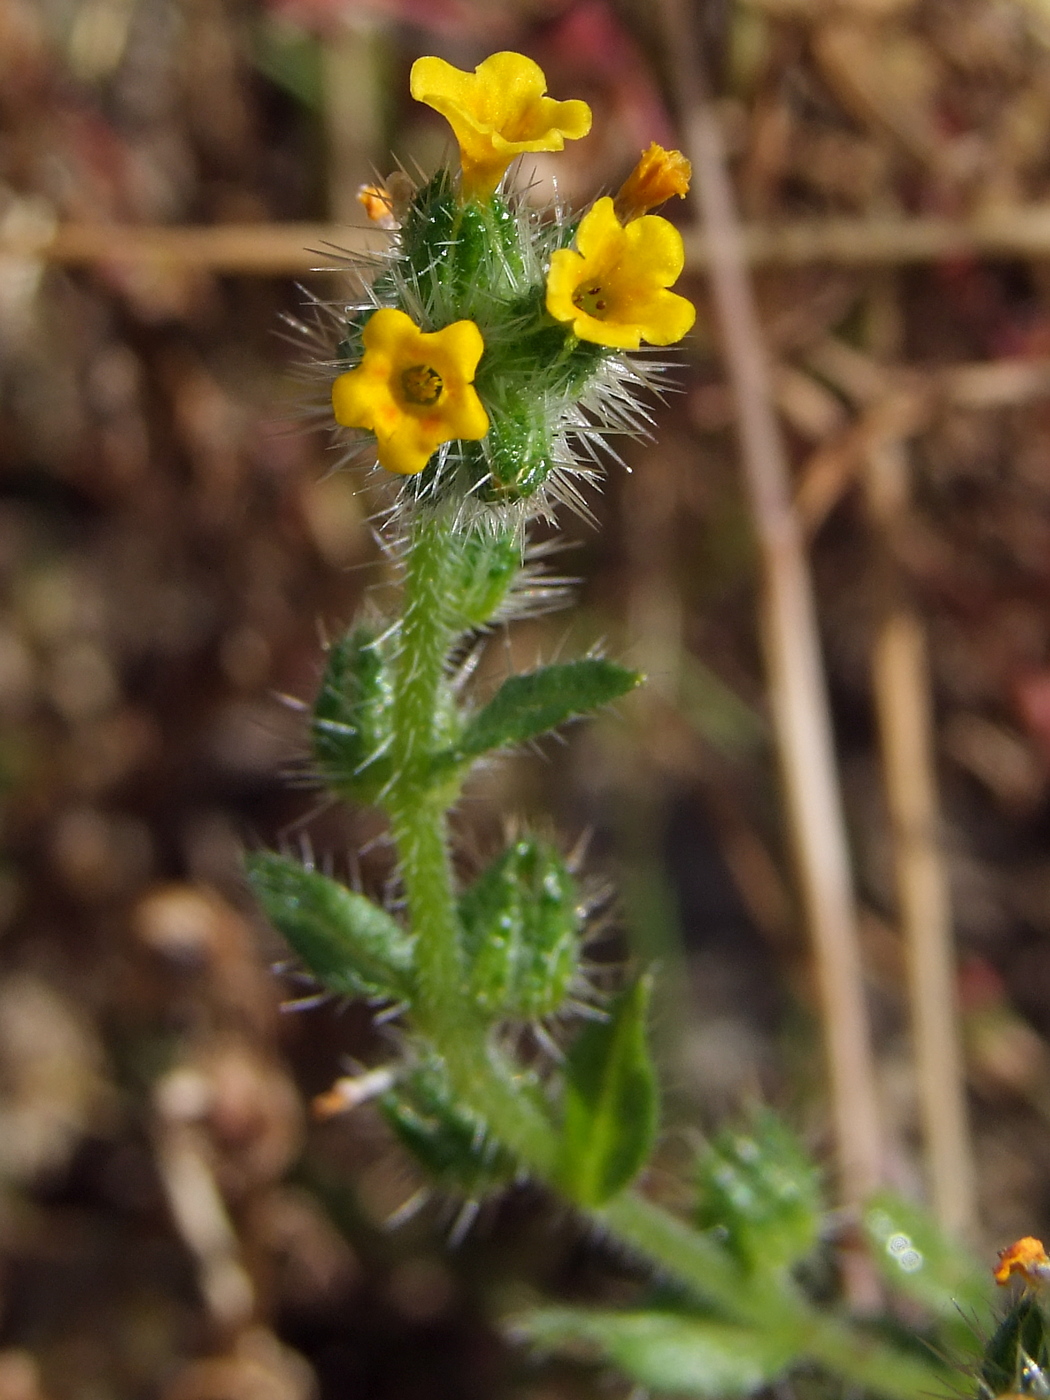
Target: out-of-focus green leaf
column 921, row 1262
column 348, row 943
column 291, row 58
column 665, row 1352
column 763, row 1190
column 611, row 1105
column 527, row 706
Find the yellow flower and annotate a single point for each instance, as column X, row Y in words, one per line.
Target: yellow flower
column 413, row 390
column 658, row 175
column 497, row 112
column 612, row 287
column 1026, row 1257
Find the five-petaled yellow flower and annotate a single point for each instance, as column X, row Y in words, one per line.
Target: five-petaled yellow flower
column 612, row 287
column 658, row 175
column 497, row 112
column 1026, row 1257
column 412, row 389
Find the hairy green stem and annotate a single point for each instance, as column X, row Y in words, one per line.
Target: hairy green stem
column 444, row 1012
column 483, row 1078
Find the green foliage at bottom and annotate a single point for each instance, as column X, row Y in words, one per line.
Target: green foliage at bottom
column 665, row 1352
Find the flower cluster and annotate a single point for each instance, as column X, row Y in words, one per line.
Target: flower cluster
column 489, row 357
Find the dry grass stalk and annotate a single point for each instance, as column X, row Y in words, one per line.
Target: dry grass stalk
column 797, row 690
column 902, row 700
column 277, row 250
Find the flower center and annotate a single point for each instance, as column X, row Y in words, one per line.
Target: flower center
column 590, row 298
column 422, row 385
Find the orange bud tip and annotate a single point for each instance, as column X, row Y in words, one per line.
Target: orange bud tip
column 1026, row 1257
column 658, row 175
column 378, row 204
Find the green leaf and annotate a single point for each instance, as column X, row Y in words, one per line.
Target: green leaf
column 920, row 1261
column 348, row 943
column 449, row 1140
column 521, row 932
column 610, row 1111
column 763, row 1190
column 666, row 1351
column 529, row 705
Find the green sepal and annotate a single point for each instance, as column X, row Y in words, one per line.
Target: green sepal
column 610, row 1105
column 529, row 705
column 519, row 456
column 1016, row 1358
column 762, row 1190
column 665, row 1352
column 924, row 1264
column 350, row 728
column 348, row 943
column 462, row 258
column 485, row 570
column 427, row 235
column 521, row 933
column 449, row 1140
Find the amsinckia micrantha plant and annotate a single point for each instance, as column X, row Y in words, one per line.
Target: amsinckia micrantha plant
column 495, row 350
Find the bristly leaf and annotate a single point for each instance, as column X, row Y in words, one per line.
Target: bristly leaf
column 449, row 1140
column 527, row 706
column 521, row 932
column 666, row 1352
column 348, row 943
column 611, row 1106
column 761, row 1187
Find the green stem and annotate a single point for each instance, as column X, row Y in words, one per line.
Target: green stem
column 447, row 1017
column 444, row 1012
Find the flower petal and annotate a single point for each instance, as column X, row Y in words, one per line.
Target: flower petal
column 496, row 113
column 657, row 245
column 375, row 396
column 613, row 290
column 669, row 317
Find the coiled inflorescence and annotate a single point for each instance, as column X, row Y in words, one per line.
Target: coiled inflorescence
column 490, row 357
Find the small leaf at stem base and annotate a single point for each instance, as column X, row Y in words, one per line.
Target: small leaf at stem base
column 610, row 1114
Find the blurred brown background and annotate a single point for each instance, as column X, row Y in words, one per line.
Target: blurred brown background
column 174, row 548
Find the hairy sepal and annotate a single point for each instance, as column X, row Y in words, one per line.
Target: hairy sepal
column 448, row 1139
column 521, row 933
column 350, row 730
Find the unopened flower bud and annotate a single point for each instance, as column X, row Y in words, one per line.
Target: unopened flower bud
column 658, row 175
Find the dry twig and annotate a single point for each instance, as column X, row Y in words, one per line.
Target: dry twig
column 797, row 691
